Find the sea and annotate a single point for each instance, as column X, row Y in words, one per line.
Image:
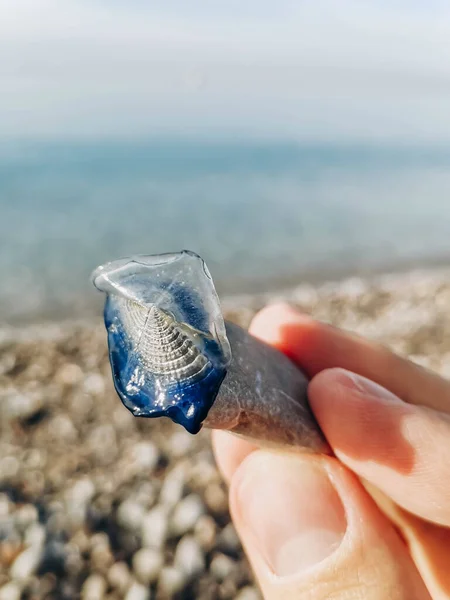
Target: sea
column 263, row 214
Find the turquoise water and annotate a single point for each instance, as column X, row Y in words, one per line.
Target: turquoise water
column 260, row 214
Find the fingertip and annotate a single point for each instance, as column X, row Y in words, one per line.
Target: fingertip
column 400, row 448
column 269, row 320
column 362, row 421
column 286, row 328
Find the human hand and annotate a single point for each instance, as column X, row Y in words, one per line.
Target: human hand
column 309, row 526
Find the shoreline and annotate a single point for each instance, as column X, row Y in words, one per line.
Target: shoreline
column 289, row 289
column 327, row 273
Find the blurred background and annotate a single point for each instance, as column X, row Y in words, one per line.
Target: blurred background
column 302, row 148
column 282, row 141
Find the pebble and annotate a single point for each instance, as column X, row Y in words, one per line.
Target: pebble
column 222, row 566
column 93, row 588
column 10, row 591
column 35, row 536
column 170, row 582
column 73, row 561
column 119, row 576
column 228, row 540
column 138, row 592
column 9, row 467
column 204, row 472
column 189, row 557
column 94, row 384
column 26, row 563
column 7, row 362
column 154, row 528
column 9, row 550
column 144, row 456
column 205, row 531
column 77, row 497
column 146, row 494
column 216, row 499
column 25, row 516
column 102, row 443
column 173, row 486
column 81, row 541
column 186, row 514
column 20, row 406
column 180, row 443
column 62, row 429
column 69, row 375
column 130, row 515
column 4, row 506
column 101, row 556
column 248, row 593
column 147, row 564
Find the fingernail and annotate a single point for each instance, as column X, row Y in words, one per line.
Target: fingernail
column 366, row 386
column 292, row 510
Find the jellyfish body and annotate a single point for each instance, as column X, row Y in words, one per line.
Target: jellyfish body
column 167, row 343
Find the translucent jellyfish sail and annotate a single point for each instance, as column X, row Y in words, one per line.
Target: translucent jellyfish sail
column 167, row 342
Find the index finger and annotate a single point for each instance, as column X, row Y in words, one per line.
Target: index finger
column 316, row 346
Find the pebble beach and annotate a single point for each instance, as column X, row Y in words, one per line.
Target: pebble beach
column 98, row 505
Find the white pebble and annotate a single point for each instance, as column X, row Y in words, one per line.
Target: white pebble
column 21, row 406
column 26, row 563
column 82, row 491
column 216, row 499
column 205, row 532
column 154, row 528
column 203, row 472
column 77, row 499
column 146, row 494
column 25, row 516
column 119, row 576
column 10, row 591
column 130, row 515
column 180, row 443
column 147, row 564
column 9, row 467
column 69, row 374
column 145, row 456
column 93, row 588
column 248, row 593
column 173, row 486
column 171, row 581
column 222, row 566
column 4, row 506
column 189, row 557
column 94, row 384
column 35, row 536
column 63, row 429
column 102, row 441
column 138, row 592
column 186, row 514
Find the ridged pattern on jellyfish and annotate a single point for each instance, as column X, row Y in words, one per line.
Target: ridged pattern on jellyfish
column 163, row 347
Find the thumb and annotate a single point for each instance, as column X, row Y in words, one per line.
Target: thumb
column 311, row 531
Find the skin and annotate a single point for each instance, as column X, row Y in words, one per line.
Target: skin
column 371, row 522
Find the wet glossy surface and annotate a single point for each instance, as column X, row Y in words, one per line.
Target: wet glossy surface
column 166, row 335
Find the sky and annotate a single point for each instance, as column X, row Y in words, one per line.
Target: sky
column 323, row 69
